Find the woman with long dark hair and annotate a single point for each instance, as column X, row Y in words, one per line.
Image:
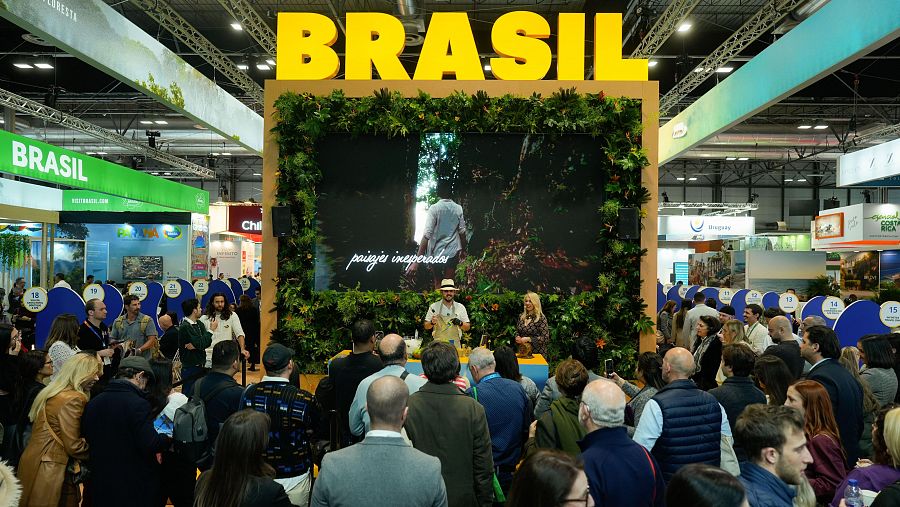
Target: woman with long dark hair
column 707, row 352
column 508, row 367
column 678, row 324
column 773, row 377
column 648, row 373
column 877, row 355
column 240, row 477
column 62, row 342
column 549, row 478
column 664, row 321
column 828, row 468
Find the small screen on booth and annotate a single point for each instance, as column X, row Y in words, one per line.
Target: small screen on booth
column 142, row 267
column 511, row 211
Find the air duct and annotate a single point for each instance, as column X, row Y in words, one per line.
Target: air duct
column 413, row 21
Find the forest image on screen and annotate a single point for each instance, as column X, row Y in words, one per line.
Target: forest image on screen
column 492, row 211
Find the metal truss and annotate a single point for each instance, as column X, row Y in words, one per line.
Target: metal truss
column 166, row 16
column 760, row 23
column 180, row 167
column 888, row 131
column 664, row 27
column 713, row 208
column 252, row 23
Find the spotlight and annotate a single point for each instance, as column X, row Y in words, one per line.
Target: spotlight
column 151, row 137
column 684, row 26
column 665, row 197
column 753, row 197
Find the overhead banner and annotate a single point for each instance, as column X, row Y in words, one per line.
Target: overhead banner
column 41, row 161
column 860, row 225
column 701, row 228
column 878, row 166
column 87, row 200
column 94, row 32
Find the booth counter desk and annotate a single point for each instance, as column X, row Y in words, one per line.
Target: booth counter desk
column 535, row 368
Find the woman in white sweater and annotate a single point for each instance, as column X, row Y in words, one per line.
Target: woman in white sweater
column 62, row 341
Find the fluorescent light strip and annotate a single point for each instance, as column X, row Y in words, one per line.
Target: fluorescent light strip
column 22, row 66
column 43, row 66
column 237, row 26
column 804, row 127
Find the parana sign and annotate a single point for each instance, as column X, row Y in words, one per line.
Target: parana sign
column 45, row 162
column 376, row 40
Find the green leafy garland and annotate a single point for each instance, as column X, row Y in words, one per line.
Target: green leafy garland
column 13, row 248
column 316, row 324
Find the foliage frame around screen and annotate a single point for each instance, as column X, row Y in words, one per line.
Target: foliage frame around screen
column 316, row 324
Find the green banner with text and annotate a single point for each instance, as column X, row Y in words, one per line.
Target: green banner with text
column 88, row 200
column 41, row 161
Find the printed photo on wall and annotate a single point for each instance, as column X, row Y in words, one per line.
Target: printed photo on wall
column 859, row 272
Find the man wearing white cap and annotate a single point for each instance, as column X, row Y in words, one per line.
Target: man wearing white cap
column 447, row 319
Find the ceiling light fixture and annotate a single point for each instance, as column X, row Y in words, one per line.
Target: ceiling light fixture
column 270, row 61
column 215, row 154
column 22, row 66
column 698, row 70
column 257, row 174
column 802, row 179
column 167, row 174
column 788, row 179
column 243, row 66
column 724, row 70
column 146, row 122
column 820, row 127
column 237, row 26
column 160, row 122
column 225, row 154
column 100, row 153
column 684, row 26
column 263, row 66
column 679, row 178
column 730, row 158
column 487, row 67
column 44, row 66
column 692, row 178
column 652, row 63
column 743, row 158
column 804, row 127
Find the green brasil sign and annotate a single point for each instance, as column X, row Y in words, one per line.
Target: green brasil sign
column 88, row 200
column 41, row 161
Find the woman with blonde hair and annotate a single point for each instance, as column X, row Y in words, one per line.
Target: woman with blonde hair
column 733, row 332
column 62, row 342
column 56, row 444
column 532, row 326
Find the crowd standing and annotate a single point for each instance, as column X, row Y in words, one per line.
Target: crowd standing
column 769, row 412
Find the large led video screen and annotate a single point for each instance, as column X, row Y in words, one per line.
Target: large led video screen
column 492, row 211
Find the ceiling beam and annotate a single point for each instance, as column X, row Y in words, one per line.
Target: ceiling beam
column 760, row 23
column 165, row 15
column 665, row 26
column 252, row 23
column 36, row 109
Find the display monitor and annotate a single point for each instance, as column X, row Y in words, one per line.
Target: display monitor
column 142, row 267
column 492, row 211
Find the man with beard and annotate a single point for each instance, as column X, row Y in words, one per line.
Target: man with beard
column 772, row 436
column 229, row 328
column 447, row 319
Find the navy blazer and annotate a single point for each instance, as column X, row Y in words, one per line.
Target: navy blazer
column 846, row 400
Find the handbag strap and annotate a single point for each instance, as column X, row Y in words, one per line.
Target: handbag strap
column 653, row 468
column 50, row 428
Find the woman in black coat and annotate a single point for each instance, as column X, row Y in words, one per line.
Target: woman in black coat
column 707, row 353
column 240, row 476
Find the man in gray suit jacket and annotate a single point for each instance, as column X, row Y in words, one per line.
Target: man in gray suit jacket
column 383, row 469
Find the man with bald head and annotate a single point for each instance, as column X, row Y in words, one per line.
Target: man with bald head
column 786, row 345
column 619, row 471
column 681, row 424
column 168, row 342
column 356, row 475
column 392, row 350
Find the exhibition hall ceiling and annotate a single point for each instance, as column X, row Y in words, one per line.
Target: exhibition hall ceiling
column 863, row 96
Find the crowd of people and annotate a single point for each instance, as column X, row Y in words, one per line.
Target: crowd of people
column 718, row 416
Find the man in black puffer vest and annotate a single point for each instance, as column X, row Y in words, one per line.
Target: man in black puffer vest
column 681, row 424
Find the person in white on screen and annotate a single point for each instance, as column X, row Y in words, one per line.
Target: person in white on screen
column 445, row 235
column 229, row 325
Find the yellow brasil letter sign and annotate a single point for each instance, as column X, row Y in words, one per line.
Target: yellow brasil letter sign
column 376, row 40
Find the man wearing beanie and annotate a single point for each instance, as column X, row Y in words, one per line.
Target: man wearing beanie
column 293, row 413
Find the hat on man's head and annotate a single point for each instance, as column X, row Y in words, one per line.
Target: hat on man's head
column 727, row 310
column 277, row 356
column 138, row 363
column 447, row 284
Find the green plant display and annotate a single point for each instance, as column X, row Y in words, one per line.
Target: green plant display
column 887, row 291
column 13, row 248
column 822, row 286
column 316, row 324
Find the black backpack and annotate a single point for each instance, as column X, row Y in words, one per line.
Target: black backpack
column 190, row 434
